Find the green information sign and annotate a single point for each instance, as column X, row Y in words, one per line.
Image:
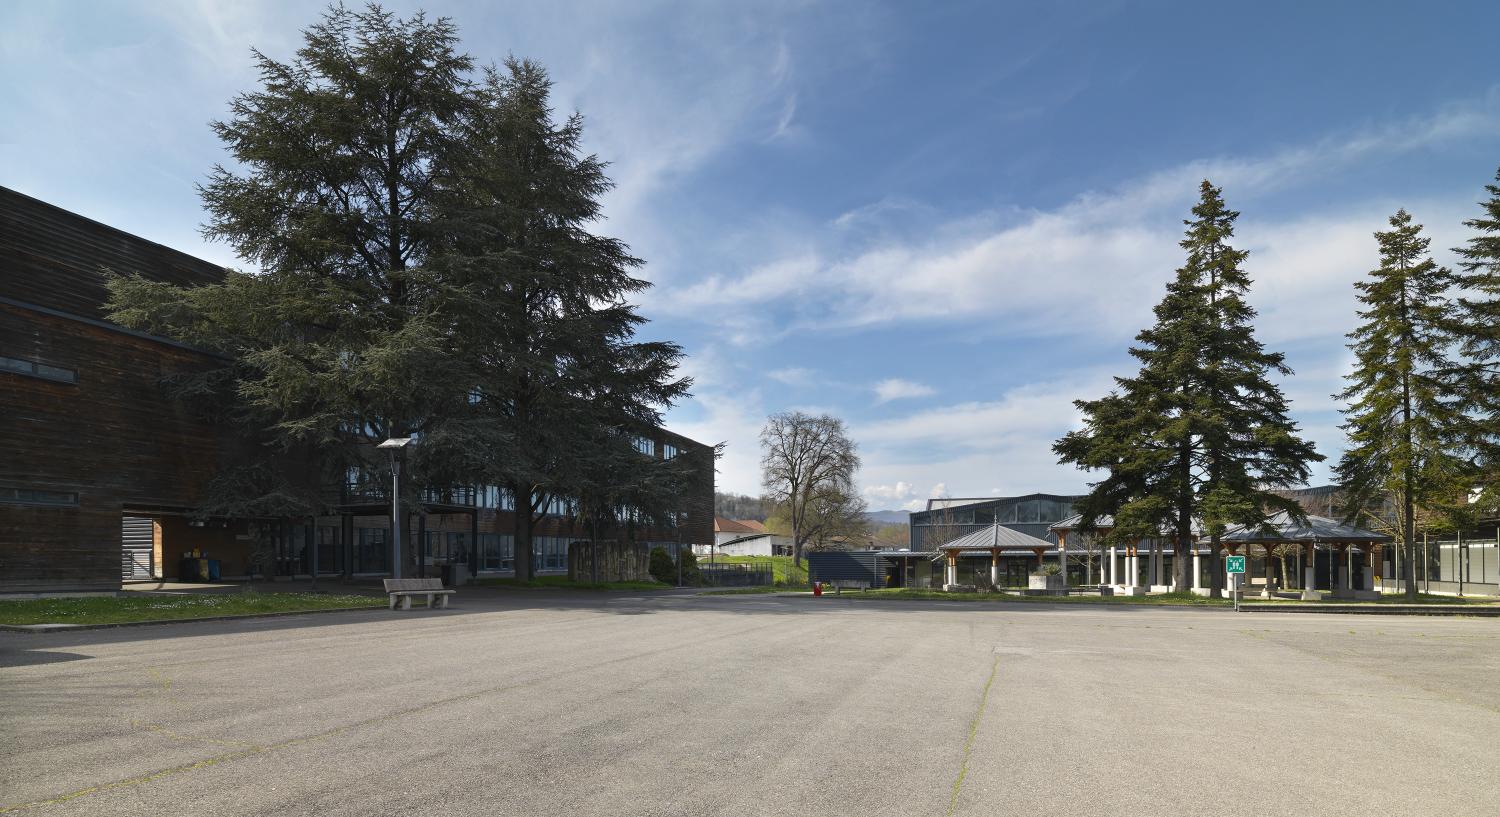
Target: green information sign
column 1234, row 564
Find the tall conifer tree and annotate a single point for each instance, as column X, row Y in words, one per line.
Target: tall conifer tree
column 1398, row 419
column 1201, row 433
column 1476, row 381
column 339, row 341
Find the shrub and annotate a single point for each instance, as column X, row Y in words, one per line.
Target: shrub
column 664, row 570
column 661, row 566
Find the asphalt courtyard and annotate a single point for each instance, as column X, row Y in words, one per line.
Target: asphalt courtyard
column 517, row 703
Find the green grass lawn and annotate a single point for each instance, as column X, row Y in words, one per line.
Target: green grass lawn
column 1167, row 599
column 1387, row 598
column 1171, row 599
column 146, row 607
column 565, row 583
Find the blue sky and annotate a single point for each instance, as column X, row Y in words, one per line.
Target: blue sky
column 942, row 222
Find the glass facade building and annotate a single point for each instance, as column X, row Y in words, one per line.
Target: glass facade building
column 947, row 519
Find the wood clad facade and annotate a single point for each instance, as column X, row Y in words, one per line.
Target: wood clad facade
column 99, row 431
column 90, row 435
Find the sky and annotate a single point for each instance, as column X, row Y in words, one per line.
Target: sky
column 941, row 222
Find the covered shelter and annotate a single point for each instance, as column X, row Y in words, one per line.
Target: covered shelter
column 993, row 541
column 1350, row 551
column 1121, row 565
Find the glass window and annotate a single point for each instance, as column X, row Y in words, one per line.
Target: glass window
column 42, row 370
column 645, row 445
column 668, row 451
column 32, row 496
column 371, row 554
column 497, row 551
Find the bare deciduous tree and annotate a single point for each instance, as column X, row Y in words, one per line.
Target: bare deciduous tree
column 805, row 460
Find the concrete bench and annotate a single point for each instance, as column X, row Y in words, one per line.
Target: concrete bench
column 404, row 589
column 840, row 585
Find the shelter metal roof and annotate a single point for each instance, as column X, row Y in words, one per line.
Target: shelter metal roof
column 1283, row 528
column 997, row 535
column 1105, row 521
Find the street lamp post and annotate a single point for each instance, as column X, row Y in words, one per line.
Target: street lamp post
column 395, row 446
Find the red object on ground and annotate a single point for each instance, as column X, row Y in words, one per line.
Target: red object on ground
column 817, row 588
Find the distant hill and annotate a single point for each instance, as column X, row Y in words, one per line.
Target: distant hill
column 889, row 517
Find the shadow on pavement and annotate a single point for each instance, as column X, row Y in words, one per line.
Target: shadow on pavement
column 26, row 658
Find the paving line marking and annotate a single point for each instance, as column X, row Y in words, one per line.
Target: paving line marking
column 963, row 768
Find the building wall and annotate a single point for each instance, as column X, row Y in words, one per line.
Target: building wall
column 1033, row 514
column 112, row 442
column 110, row 438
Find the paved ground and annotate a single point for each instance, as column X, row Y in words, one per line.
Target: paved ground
column 544, row 703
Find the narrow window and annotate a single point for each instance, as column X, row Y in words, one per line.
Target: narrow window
column 42, row 370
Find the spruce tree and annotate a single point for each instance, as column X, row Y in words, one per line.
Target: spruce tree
column 1399, row 417
column 1476, row 378
column 1201, row 432
column 1250, row 444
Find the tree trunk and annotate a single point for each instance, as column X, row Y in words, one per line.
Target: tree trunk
column 1409, row 532
column 523, row 525
column 1182, row 557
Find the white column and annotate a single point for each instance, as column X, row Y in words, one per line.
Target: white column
column 1112, row 571
column 994, row 570
column 1309, row 568
column 1161, row 563
column 1062, row 559
column 1132, row 568
column 1367, row 556
column 1197, row 564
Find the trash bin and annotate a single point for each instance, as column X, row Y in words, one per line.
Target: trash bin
column 455, row 575
column 213, row 569
column 1106, row 590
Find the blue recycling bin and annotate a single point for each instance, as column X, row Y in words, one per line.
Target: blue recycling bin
column 213, row 569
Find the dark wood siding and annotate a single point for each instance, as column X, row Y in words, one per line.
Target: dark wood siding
column 53, row 258
column 113, row 437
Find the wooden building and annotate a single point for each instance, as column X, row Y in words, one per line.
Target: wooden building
column 101, row 469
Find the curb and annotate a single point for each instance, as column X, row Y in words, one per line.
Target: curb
column 74, row 628
column 1378, row 610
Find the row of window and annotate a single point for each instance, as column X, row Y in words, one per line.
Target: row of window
column 42, row 370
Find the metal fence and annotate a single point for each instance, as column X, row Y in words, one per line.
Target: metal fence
column 751, row 574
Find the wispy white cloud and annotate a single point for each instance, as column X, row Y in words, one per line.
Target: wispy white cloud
column 1036, row 271
column 897, row 389
column 792, row 376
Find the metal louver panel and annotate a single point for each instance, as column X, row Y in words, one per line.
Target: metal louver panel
column 135, row 547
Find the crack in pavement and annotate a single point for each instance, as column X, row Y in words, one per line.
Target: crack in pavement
column 963, row 767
